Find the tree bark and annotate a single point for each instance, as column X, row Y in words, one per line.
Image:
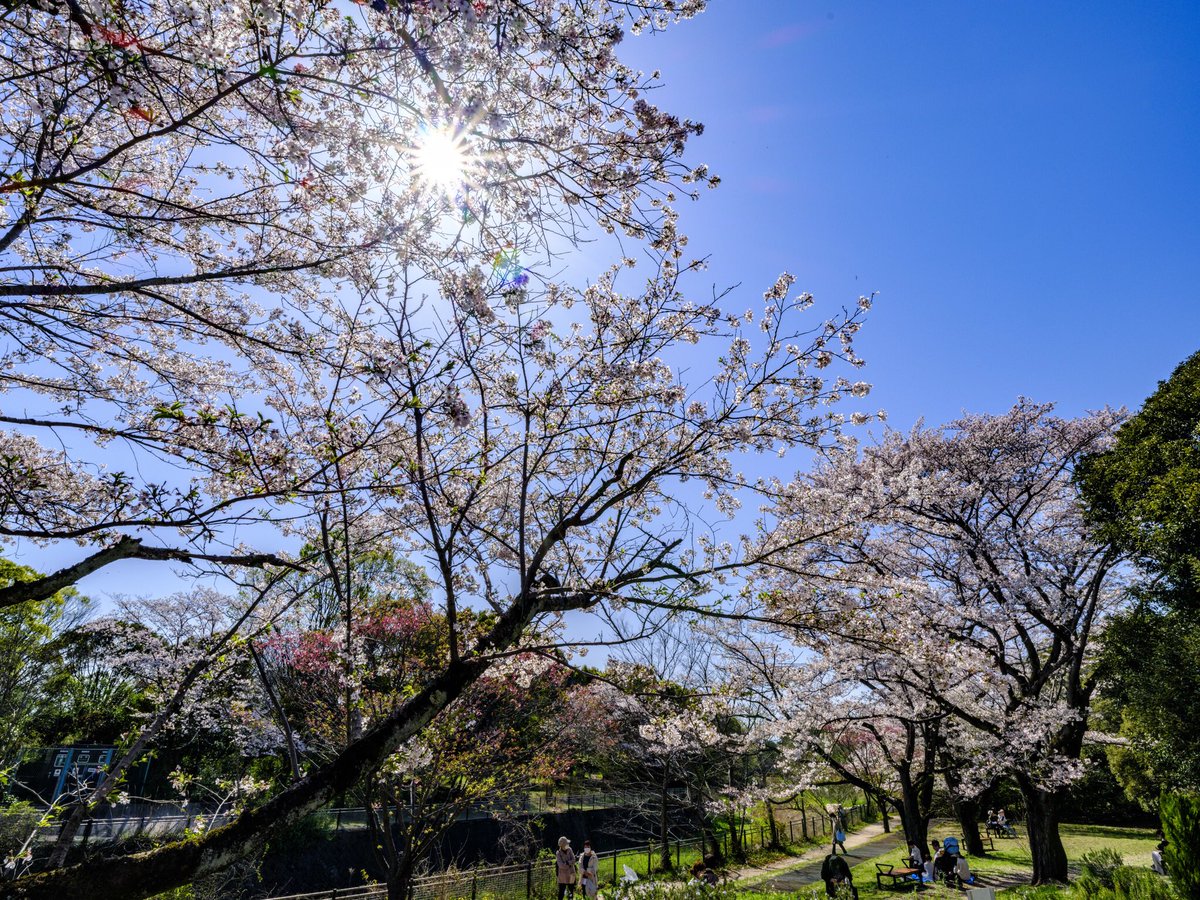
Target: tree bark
column 913, row 822
column 967, row 813
column 1045, row 843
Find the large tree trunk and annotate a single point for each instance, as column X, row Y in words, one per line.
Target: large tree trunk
column 399, row 877
column 916, row 798
column 914, row 825
column 967, row 813
column 966, row 810
column 1045, row 843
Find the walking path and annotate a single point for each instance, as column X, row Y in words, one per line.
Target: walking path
column 794, row 873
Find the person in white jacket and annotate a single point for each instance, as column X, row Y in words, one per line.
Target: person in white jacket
column 589, row 871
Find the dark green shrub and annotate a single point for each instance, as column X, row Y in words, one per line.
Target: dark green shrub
column 1141, row 884
column 1041, row 892
column 1089, row 888
column 1099, row 865
column 1181, row 827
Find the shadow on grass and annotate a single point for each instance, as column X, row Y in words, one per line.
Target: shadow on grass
column 1111, row 831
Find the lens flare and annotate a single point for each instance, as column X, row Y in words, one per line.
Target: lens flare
column 442, row 158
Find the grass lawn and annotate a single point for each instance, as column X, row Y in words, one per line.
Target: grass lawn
column 1009, row 866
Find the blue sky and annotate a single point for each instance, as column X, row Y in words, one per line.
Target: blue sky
column 1019, row 181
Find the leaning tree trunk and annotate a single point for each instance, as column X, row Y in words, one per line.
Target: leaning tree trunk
column 966, row 810
column 1045, row 843
column 967, row 813
column 146, row 873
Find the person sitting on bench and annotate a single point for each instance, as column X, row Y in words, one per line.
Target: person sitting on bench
column 1002, row 822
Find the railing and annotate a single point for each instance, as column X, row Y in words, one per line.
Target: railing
column 158, row 820
column 537, row 880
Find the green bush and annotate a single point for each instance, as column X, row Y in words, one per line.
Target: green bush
column 1141, row 884
column 1090, row 887
column 1041, row 892
column 1181, row 827
column 1101, row 864
column 670, row 890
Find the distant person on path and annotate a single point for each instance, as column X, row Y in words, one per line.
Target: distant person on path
column 589, row 871
column 835, row 872
column 564, row 864
column 837, row 823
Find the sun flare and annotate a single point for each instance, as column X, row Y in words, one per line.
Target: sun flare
column 442, row 158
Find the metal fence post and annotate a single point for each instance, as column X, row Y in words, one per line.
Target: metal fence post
column 677, row 851
column 649, row 857
column 472, row 886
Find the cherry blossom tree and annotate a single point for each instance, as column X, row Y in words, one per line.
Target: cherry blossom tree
column 184, row 187
column 839, row 714
column 185, row 657
column 965, row 547
column 277, row 265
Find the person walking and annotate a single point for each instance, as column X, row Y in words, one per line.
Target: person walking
column 837, row 820
column 564, row 864
column 589, row 871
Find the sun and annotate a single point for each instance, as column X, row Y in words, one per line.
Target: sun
column 443, row 158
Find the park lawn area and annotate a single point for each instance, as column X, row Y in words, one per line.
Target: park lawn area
column 1010, row 866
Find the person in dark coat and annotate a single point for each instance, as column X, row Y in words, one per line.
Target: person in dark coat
column 835, row 871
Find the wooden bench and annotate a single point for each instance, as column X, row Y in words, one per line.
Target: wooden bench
column 898, row 874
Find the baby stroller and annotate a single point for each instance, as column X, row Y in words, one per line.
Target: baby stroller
column 945, row 864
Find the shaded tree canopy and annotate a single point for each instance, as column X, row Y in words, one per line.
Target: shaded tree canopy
column 1144, row 492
